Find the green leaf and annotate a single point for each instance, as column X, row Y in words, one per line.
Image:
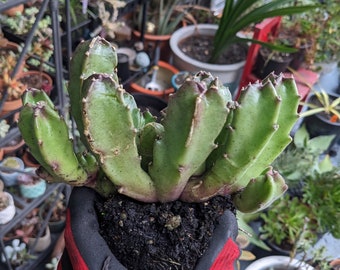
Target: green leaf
column 320, row 144
column 301, row 137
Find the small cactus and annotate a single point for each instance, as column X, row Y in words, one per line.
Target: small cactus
column 206, row 144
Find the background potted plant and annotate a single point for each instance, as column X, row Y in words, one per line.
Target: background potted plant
column 32, row 231
column 7, row 207
column 295, row 222
column 224, row 37
column 9, row 52
column 11, row 90
column 173, row 185
column 54, row 210
column 302, row 158
column 30, row 185
column 325, row 52
column 17, row 27
column 300, row 220
column 10, row 176
column 161, row 19
column 322, row 114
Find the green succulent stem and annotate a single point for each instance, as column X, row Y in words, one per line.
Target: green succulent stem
column 205, row 145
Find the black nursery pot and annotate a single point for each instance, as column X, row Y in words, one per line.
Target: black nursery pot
column 266, row 63
column 298, row 58
column 147, row 102
column 86, row 248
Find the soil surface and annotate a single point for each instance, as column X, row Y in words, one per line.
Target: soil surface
column 199, row 47
column 159, row 236
column 36, row 81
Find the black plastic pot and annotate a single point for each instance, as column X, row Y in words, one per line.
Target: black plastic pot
column 268, row 62
column 86, row 249
column 147, row 102
column 299, row 57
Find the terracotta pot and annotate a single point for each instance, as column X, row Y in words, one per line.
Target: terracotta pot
column 151, row 41
column 164, row 75
column 11, row 105
column 45, row 83
column 6, row 45
column 14, row 10
column 29, row 160
column 10, row 149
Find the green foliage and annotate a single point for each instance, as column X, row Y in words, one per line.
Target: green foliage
column 237, row 15
column 322, row 193
column 22, row 23
column 297, row 220
column 289, row 222
column 302, row 157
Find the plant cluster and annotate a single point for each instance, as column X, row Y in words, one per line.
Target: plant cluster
column 13, row 86
column 289, row 224
column 22, row 23
column 302, row 157
column 27, row 227
column 8, row 60
column 16, row 253
column 4, row 127
column 297, row 220
column 321, row 27
column 58, row 204
column 193, row 154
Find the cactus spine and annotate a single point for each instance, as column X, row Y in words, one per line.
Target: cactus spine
column 206, row 144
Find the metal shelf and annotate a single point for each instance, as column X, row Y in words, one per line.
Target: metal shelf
column 24, row 207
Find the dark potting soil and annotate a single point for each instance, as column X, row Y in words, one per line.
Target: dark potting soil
column 36, row 81
column 200, row 47
column 159, row 236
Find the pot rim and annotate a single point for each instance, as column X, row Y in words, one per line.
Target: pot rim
column 187, row 31
column 260, row 264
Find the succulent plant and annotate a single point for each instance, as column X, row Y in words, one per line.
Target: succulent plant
column 206, row 144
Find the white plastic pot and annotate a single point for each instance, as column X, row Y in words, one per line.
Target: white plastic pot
column 278, row 262
column 229, row 75
column 8, row 213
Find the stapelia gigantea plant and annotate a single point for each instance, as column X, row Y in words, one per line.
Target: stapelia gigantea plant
column 206, row 145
